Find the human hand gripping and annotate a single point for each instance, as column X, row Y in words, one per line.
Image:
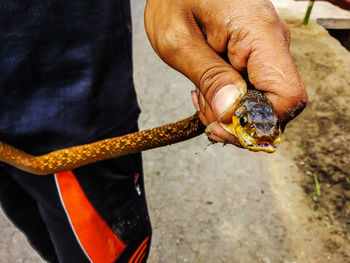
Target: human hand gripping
column 212, row 42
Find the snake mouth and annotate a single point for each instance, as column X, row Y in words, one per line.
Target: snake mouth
column 259, row 146
column 249, row 142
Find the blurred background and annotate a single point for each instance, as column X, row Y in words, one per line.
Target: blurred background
column 210, row 203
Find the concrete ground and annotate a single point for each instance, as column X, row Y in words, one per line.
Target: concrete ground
column 207, row 203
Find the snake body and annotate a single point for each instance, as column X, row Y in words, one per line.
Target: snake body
column 254, row 139
column 77, row 156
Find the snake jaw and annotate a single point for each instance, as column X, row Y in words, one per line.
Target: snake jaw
column 249, row 142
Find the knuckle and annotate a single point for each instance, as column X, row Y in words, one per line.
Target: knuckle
column 299, row 100
column 267, row 13
column 298, row 95
column 168, row 42
column 271, row 20
column 206, row 79
column 172, row 40
column 268, row 19
column 287, row 30
column 303, row 99
column 288, row 34
column 301, row 94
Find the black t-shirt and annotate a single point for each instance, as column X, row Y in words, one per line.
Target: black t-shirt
column 65, row 72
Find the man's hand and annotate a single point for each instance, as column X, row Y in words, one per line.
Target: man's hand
column 212, row 41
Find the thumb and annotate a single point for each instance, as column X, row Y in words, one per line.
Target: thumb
column 221, row 86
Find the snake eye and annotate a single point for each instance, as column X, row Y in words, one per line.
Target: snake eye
column 243, row 121
column 277, row 124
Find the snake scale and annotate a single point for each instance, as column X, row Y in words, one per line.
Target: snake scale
column 254, row 123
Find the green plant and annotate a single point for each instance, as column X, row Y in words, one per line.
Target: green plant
column 317, row 184
column 316, row 196
column 308, row 12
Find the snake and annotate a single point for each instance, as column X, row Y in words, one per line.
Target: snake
column 254, row 123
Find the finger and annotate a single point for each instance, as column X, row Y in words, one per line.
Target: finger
column 286, row 30
column 205, row 108
column 271, row 69
column 195, row 100
column 216, row 132
column 240, row 47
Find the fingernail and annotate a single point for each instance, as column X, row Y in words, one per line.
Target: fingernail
column 225, row 98
column 208, row 129
column 195, row 100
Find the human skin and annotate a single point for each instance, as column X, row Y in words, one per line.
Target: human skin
column 345, row 4
column 212, row 42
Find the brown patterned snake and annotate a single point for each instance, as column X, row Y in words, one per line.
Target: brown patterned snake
column 254, row 123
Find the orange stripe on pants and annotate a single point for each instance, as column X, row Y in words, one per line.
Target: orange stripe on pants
column 139, row 251
column 98, row 241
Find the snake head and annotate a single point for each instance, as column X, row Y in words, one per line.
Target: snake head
column 255, row 123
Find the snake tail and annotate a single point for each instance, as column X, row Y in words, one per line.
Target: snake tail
column 77, row 156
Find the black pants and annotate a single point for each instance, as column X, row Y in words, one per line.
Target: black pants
column 97, row 213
